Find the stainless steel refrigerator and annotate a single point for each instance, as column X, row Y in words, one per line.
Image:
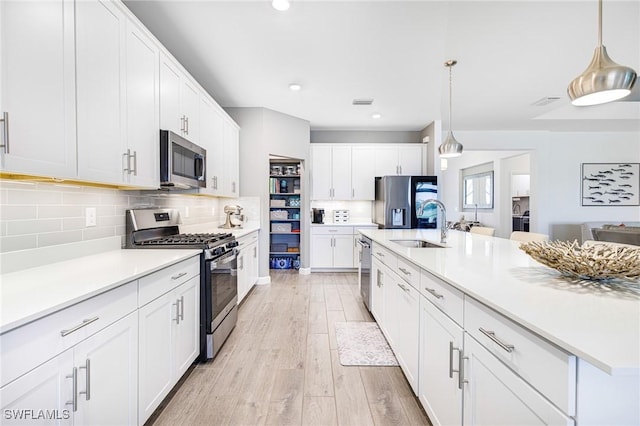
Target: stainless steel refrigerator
column 400, row 202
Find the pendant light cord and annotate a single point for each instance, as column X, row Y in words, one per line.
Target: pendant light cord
column 450, row 124
column 599, row 23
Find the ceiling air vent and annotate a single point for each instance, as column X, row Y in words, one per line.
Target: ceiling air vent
column 545, row 101
column 362, row 101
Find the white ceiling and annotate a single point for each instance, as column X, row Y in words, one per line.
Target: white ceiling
column 510, row 54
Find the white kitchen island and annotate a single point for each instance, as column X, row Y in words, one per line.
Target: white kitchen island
column 591, row 331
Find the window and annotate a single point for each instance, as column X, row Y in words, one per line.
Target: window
column 477, row 190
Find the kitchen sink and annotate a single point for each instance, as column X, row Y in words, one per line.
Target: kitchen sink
column 417, row 243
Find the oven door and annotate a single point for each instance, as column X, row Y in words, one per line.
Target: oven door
column 222, row 283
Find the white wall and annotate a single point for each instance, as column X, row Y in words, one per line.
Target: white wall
column 449, row 186
column 556, row 160
column 265, row 132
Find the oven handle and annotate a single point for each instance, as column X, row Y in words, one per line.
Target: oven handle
column 229, row 257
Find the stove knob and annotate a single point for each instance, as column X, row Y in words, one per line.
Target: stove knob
column 218, row 251
column 232, row 244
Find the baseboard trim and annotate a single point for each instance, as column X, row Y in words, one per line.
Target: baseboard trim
column 264, row 280
column 305, row 271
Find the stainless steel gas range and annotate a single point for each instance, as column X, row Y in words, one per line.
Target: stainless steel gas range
column 158, row 229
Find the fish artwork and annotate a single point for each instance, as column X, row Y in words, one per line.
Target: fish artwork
column 591, row 179
column 605, row 183
column 618, row 190
column 606, row 172
column 589, row 198
column 624, row 165
column 618, row 170
column 598, row 201
column 599, row 176
column 625, row 185
column 625, row 177
column 608, row 180
column 597, row 187
column 627, row 173
column 596, row 193
column 614, row 201
column 624, row 197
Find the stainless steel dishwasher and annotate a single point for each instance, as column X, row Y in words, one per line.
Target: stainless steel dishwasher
column 364, row 270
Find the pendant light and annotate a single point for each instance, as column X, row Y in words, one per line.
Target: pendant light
column 603, row 80
column 450, row 147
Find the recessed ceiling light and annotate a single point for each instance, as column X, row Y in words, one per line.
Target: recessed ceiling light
column 281, row 5
column 295, row 87
column 376, row 115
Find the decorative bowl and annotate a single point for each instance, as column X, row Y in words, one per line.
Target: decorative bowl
column 592, row 262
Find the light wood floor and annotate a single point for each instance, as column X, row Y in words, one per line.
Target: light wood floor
column 280, row 365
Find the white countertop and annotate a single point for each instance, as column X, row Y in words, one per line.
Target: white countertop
column 29, row 294
column 596, row 323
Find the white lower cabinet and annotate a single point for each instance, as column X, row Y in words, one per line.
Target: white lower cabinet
column 94, row 382
column 247, row 264
column 396, row 308
column 407, row 322
column 495, row 395
column 332, row 247
column 377, row 293
column 169, row 342
column 107, row 374
column 440, row 387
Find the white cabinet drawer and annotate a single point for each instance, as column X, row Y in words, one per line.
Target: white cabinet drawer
column 448, row 299
column 155, row 285
column 385, row 256
column 27, row 347
column 408, row 272
column 248, row 239
column 547, row 368
column 332, row 230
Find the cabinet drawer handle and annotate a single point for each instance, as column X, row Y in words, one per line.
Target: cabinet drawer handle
column 403, row 287
column 492, row 335
column 74, row 389
column 434, row 293
column 5, row 132
column 404, row 271
column 181, row 311
column 180, row 275
column 87, row 391
column 85, row 322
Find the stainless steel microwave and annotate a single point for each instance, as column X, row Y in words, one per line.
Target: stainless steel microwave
column 182, row 163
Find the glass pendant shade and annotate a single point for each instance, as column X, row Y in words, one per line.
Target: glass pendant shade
column 604, row 80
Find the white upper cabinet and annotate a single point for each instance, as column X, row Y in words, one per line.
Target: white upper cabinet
column 117, row 95
column 363, row 172
column 100, row 56
column 37, row 96
column 331, row 172
column 211, row 140
column 179, row 100
column 143, row 107
column 400, row 159
column 347, row 172
column 170, row 83
column 230, row 158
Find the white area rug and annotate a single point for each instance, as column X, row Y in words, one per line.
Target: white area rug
column 362, row 343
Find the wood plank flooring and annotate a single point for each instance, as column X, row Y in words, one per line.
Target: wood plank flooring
column 280, row 365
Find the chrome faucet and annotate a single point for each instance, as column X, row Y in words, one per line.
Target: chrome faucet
column 443, row 225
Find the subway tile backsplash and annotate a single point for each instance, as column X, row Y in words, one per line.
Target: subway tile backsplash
column 36, row 214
